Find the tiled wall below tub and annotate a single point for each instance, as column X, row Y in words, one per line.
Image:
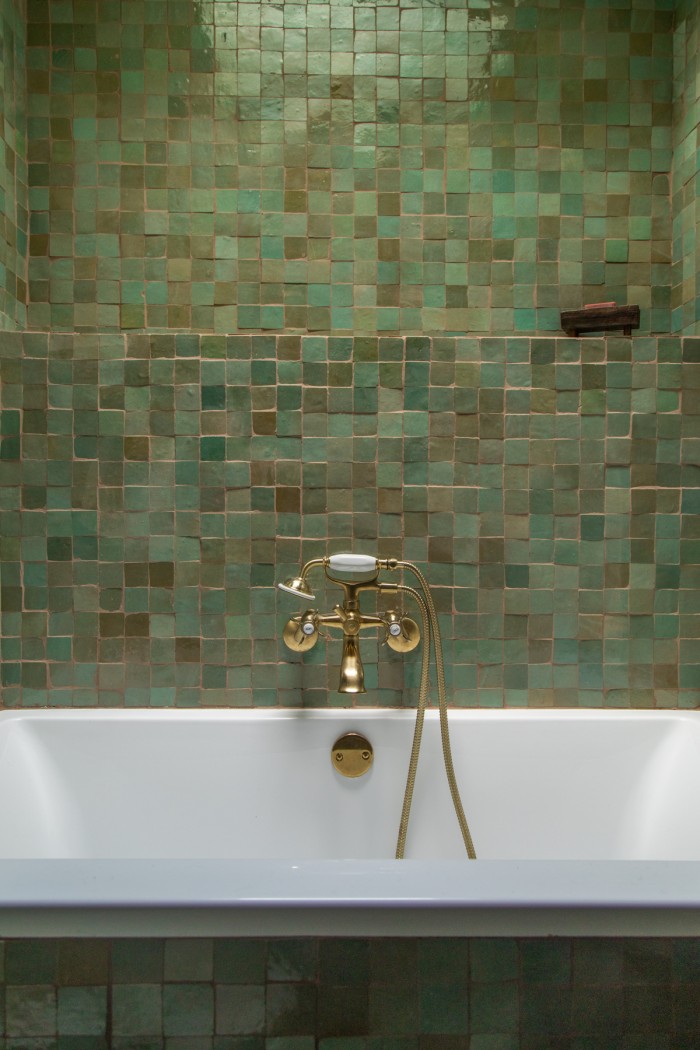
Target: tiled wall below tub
column 154, row 487
column 404, row 994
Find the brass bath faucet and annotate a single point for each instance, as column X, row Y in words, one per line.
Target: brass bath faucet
column 354, row 573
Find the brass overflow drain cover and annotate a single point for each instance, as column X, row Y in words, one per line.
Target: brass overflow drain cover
column 352, row 754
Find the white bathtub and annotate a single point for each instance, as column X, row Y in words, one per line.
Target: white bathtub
column 188, row 823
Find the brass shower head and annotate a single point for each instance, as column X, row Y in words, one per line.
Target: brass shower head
column 297, row 585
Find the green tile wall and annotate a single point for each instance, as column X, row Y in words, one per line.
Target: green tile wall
column 343, row 167
column 686, row 169
column 221, row 168
column 154, row 487
column 354, row 994
column 13, row 166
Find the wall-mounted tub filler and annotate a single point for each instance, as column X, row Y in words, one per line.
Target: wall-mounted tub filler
column 356, row 573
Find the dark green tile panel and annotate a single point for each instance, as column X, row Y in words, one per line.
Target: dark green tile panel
column 154, row 487
column 353, row 994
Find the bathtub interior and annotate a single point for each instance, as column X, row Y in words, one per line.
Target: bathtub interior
column 260, row 785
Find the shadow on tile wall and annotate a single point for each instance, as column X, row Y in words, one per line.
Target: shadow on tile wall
column 686, row 243
column 13, row 166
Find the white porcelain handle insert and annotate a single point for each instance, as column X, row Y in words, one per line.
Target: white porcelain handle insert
column 352, row 563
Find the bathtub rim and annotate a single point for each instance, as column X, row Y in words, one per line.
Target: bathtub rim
column 194, row 898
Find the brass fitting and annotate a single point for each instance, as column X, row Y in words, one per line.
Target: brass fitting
column 301, row 632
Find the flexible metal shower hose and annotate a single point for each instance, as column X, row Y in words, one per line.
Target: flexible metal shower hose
column 431, row 628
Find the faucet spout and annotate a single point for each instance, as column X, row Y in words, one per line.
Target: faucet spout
column 352, row 674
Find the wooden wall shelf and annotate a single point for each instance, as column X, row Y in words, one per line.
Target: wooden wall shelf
column 600, row 319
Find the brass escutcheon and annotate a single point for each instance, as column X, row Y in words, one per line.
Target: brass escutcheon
column 352, row 754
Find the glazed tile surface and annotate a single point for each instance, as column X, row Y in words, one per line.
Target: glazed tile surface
column 155, row 487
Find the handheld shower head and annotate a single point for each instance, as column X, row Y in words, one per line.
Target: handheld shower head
column 297, row 586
